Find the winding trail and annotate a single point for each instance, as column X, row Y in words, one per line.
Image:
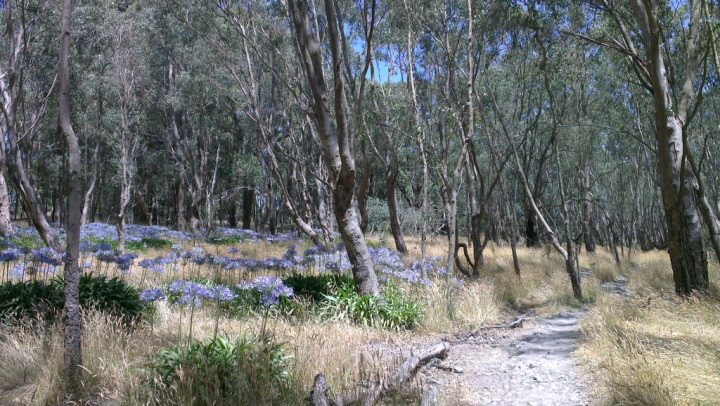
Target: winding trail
column 531, row 365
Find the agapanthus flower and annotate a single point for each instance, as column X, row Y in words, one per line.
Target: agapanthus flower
column 152, row 295
column 223, row 294
column 192, row 293
column 106, row 256
column 271, row 289
column 11, row 254
column 47, row 255
column 125, row 261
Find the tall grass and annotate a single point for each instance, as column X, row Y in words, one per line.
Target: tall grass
column 116, row 357
column 655, row 349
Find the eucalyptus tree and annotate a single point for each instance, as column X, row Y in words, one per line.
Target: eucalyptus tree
column 675, row 99
column 72, row 316
column 125, row 60
column 334, row 134
column 263, row 98
column 22, row 86
column 418, row 126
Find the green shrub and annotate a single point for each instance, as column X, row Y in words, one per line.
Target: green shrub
column 392, row 311
column 102, row 241
column 223, row 371
column 149, row 243
column 29, row 299
column 231, row 240
column 26, row 242
column 316, row 287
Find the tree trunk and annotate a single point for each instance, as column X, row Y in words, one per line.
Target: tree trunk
column 91, row 187
column 72, row 318
column 364, row 188
column 248, row 203
column 587, row 210
column 532, row 238
column 6, row 227
column 335, row 137
column 685, row 238
column 395, row 226
column 684, row 234
column 180, row 220
column 451, row 221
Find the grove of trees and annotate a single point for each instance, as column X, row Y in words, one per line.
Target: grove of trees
column 572, row 124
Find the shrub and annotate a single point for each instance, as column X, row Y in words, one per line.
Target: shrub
column 149, row 243
column 30, row 299
column 392, row 311
column 26, row 242
column 229, row 240
column 316, row 287
column 223, row 371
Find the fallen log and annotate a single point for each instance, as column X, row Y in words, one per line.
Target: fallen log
column 321, row 394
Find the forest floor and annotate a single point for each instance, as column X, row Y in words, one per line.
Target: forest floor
column 532, row 364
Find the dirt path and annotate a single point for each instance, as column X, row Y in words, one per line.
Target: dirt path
column 531, row 365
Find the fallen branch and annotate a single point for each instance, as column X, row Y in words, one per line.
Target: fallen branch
column 448, row 368
column 517, row 323
column 320, row 395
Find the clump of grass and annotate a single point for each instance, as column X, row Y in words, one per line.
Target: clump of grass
column 655, row 349
column 512, row 290
column 449, row 305
column 223, row 371
column 32, row 358
column 395, row 310
column 606, row 272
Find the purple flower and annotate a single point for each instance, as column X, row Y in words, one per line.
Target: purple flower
column 12, row 254
column 152, row 295
column 125, row 261
column 47, row 256
column 193, row 293
column 271, row 289
column 223, row 294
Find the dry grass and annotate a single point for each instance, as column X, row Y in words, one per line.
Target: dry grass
column 451, row 307
column 114, row 356
column 655, row 348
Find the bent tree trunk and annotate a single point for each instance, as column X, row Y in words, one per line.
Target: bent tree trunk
column 335, row 140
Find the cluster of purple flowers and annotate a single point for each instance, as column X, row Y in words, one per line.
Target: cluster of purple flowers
column 158, row 264
column 277, row 264
column 251, row 235
column 47, row 256
column 193, row 293
column 11, row 254
column 133, row 232
column 123, row 261
column 152, row 295
column 385, row 257
column 406, row 275
column 270, row 288
column 196, row 255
